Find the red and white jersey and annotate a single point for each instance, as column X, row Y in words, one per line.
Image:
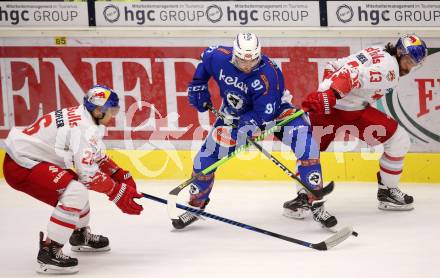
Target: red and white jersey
column 373, row 72
column 67, row 137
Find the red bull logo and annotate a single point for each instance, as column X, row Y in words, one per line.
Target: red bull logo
column 102, row 94
column 413, row 40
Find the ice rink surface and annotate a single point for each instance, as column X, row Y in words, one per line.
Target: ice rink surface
column 390, row 244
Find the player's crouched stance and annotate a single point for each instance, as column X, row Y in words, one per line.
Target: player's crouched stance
column 345, row 97
column 38, row 163
column 252, row 89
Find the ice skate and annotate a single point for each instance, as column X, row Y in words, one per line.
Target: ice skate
column 392, row 198
column 52, row 260
column 184, row 220
column 188, row 218
column 298, row 207
column 322, row 216
column 83, row 240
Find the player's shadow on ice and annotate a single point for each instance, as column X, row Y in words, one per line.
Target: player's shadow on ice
column 192, row 228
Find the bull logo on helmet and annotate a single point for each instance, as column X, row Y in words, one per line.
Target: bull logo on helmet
column 414, row 40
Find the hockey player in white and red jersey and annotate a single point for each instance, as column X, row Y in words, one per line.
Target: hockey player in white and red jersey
column 39, row 162
column 344, row 98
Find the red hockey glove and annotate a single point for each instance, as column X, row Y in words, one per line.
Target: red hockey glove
column 123, row 195
column 320, row 102
column 108, row 166
column 101, row 182
column 119, row 175
column 122, row 176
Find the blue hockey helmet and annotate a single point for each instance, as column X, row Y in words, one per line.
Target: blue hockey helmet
column 413, row 46
column 100, row 95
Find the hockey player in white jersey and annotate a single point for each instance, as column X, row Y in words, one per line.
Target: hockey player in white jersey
column 39, row 162
column 344, row 99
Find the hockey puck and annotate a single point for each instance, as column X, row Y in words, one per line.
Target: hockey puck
column 354, row 233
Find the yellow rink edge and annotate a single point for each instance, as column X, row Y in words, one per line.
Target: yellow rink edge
column 252, row 165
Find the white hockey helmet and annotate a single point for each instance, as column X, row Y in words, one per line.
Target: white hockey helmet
column 247, row 46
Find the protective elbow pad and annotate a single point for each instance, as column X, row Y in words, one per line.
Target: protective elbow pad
column 344, row 81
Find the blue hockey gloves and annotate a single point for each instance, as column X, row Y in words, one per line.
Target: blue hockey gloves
column 199, row 97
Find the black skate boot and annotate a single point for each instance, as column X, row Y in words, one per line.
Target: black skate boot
column 52, row 260
column 393, row 198
column 84, row 241
column 298, row 207
column 322, row 216
column 187, row 218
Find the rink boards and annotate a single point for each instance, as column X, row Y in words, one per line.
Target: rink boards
column 252, row 165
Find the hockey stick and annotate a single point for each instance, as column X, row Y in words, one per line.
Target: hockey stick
column 327, row 244
column 172, row 196
column 317, row 193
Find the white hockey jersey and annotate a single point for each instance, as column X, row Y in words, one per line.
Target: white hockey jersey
column 68, row 137
column 374, row 73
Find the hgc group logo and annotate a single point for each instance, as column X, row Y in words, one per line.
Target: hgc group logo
column 111, row 13
column 214, row 13
column 344, row 13
column 383, row 13
column 43, row 14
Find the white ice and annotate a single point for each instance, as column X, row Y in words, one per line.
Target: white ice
column 390, row 244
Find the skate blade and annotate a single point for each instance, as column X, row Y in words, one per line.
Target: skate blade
column 52, row 269
column 299, row 214
column 90, row 249
column 394, row 207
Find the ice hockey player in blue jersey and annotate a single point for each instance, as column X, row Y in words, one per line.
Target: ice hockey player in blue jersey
column 253, row 95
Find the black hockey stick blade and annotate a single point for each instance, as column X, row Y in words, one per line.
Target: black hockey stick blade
column 331, row 242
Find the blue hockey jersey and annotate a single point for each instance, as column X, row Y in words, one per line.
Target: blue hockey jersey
column 259, row 91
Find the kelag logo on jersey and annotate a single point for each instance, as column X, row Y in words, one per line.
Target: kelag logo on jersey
column 229, row 80
column 416, row 103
